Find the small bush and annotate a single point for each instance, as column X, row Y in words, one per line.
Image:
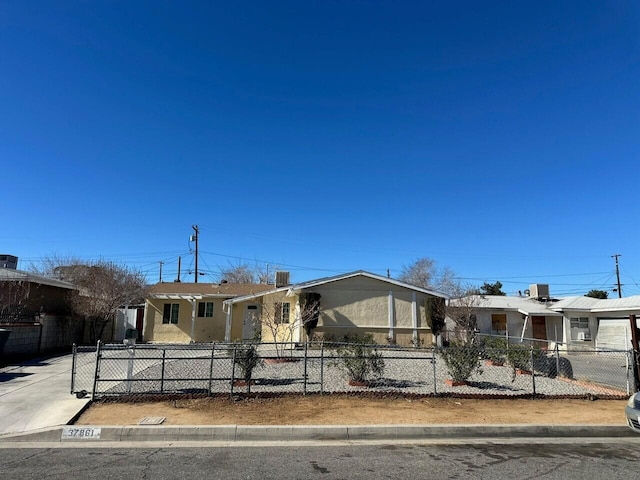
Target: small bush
column 247, row 359
column 360, row 359
column 495, row 349
column 519, row 357
column 462, row 360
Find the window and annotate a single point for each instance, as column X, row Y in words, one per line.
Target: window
column 580, row 328
column 499, row 323
column 205, row 309
column 580, row 322
column 171, row 313
column 282, row 312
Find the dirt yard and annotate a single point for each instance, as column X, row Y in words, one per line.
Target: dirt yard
column 332, row 410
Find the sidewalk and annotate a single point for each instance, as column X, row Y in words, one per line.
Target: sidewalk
column 36, row 394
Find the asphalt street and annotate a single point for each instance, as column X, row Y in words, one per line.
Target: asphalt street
column 576, row 460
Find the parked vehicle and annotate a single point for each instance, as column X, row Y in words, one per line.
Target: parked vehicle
column 632, row 411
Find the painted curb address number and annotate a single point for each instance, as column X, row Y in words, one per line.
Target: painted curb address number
column 75, row 433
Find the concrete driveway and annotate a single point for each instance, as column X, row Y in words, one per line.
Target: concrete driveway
column 36, row 394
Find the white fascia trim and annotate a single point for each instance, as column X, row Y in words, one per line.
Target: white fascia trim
column 619, row 309
column 540, row 314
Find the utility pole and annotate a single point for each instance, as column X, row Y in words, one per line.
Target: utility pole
column 161, row 263
column 618, row 274
column 194, row 238
column 179, row 265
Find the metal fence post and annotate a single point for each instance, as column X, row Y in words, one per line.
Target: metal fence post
column 213, row 350
column 131, row 349
column 322, row 368
column 304, row 388
column 557, row 349
column 73, row 367
column 233, row 369
column 533, row 373
column 433, row 362
column 96, row 371
column 164, row 356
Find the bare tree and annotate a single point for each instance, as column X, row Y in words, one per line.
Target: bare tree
column 281, row 319
column 19, row 299
column 425, row 273
column 103, row 288
column 240, row 273
column 246, row 273
column 462, row 308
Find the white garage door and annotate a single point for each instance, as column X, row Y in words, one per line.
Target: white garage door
column 614, row 334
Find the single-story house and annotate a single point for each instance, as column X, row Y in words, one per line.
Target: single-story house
column 572, row 322
column 181, row 312
column 24, row 295
column 36, row 312
column 353, row 303
column 515, row 317
column 599, row 323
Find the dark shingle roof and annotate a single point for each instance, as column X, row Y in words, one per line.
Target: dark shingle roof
column 228, row 289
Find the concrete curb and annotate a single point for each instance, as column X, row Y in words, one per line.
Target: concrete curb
column 284, row 433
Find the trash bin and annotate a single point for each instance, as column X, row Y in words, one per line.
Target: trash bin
column 130, row 336
column 4, row 336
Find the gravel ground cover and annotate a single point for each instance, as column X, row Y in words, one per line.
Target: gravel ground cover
column 407, row 371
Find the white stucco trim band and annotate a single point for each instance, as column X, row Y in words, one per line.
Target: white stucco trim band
column 391, row 312
column 414, row 316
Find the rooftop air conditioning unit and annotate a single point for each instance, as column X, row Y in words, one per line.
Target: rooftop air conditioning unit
column 539, row 290
column 282, row 279
column 8, row 261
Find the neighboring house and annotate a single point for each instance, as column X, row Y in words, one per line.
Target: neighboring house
column 516, row 317
column 599, row 323
column 36, row 310
column 353, row 303
column 190, row 312
column 573, row 323
column 25, row 295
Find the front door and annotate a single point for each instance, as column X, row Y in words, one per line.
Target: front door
column 139, row 323
column 251, row 319
column 539, row 327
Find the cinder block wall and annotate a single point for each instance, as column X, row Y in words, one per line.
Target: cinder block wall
column 23, row 340
column 52, row 334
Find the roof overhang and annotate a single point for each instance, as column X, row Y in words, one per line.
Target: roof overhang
column 547, row 313
column 184, row 296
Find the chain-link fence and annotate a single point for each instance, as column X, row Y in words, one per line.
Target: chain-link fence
column 478, row 369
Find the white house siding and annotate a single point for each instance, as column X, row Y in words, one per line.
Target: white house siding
column 614, row 333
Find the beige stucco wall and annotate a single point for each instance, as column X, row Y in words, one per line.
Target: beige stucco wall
column 206, row 329
column 361, row 305
column 356, row 305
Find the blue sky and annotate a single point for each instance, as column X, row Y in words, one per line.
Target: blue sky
column 500, row 139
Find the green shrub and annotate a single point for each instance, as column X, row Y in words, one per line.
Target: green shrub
column 519, row 357
column 360, row 359
column 462, row 360
column 495, row 349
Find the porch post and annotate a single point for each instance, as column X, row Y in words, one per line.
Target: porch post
column 227, row 329
column 193, row 318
